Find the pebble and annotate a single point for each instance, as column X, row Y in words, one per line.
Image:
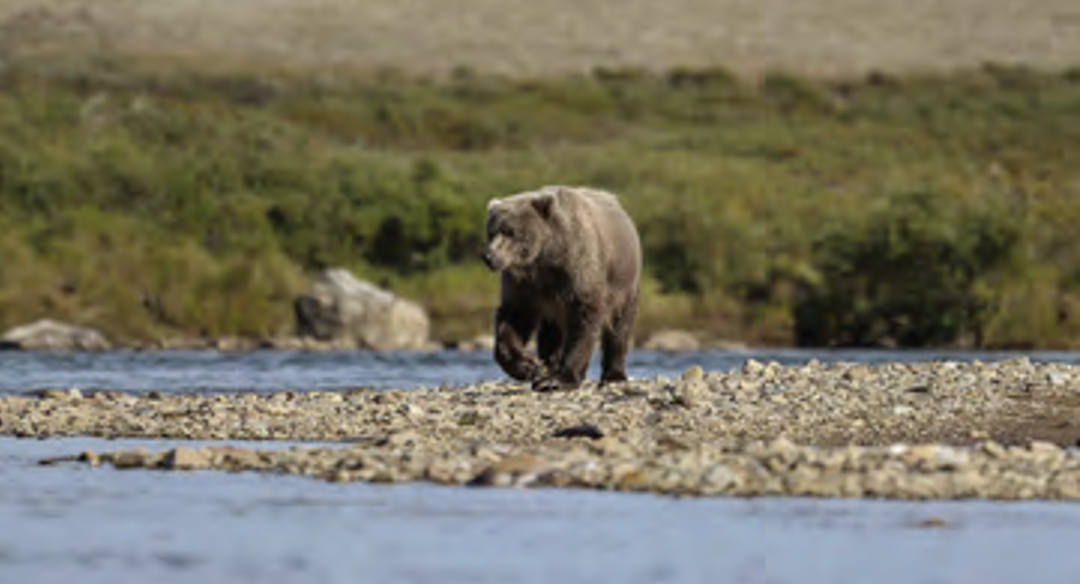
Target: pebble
column 512, row 471
column 60, row 394
column 693, row 373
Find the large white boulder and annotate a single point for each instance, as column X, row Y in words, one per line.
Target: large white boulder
column 352, row 312
column 671, row 340
column 50, row 335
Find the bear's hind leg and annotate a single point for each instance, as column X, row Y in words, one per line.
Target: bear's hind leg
column 615, row 343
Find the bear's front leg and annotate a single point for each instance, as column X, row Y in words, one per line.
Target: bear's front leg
column 549, row 341
column 582, row 335
column 512, row 331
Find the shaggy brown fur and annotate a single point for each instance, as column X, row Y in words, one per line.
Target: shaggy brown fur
column 570, row 262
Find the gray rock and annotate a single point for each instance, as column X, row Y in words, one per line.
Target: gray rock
column 344, row 309
column 50, row 335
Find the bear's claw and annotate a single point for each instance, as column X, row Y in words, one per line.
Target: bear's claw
column 551, row 384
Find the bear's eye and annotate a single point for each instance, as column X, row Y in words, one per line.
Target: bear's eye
column 506, row 232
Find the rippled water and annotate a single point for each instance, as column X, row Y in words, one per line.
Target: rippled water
column 190, row 371
column 71, row 523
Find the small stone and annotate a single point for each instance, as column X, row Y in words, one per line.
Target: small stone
column 1020, row 363
column 1046, row 453
column 411, row 411
column 60, row 394
column 138, row 458
column 671, row 442
column 856, row 373
column 513, row 471
column 935, row 457
column 1043, row 446
column 1057, row 379
column 1065, row 485
column 489, row 452
column 719, row 478
column 186, row 459
column 693, row 373
column 690, row 394
column 470, row 418
column 752, row 367
column 580, row 431
column 339, row 476
column 615, row 449
column 401, row 439
column 234, row 458
column 994, row 449
column 630, row 477
column 90, row 457
column 635, row 390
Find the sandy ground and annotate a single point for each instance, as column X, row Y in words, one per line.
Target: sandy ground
column 828, row 37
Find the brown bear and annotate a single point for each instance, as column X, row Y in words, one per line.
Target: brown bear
column 570, row 264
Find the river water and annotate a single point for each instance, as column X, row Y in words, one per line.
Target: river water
column 212, row 371
column 71, row 523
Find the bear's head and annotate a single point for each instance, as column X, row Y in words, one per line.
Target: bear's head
column 518, row 228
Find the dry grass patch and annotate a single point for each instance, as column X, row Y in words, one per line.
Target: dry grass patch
column 830, row 37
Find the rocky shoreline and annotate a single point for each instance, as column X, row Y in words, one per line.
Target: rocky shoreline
column 1002, row 430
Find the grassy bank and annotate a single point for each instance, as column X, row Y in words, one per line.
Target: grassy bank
column 157, row 201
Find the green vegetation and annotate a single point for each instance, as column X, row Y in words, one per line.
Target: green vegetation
column 160, row 201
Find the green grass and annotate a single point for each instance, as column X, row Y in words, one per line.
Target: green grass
column 155, row 202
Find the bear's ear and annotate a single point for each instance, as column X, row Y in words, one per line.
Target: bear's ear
column 543, row 204
column 493, row 203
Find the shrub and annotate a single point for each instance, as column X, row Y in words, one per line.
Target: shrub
column 914, row 275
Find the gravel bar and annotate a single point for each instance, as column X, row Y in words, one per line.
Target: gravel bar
column 931, row 430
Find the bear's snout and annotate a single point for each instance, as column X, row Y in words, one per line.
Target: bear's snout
column 489, row 259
